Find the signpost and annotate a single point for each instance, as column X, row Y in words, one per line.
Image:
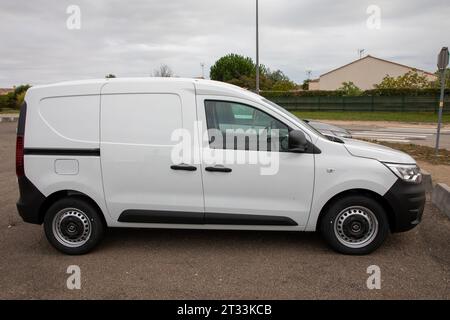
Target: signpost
column 257, row 47
column 442, row 65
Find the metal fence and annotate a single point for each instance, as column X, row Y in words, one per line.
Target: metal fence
column 363, row 103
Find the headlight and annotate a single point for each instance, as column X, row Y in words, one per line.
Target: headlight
column 406, row 172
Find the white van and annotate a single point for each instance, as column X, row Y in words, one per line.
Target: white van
column 106, row 153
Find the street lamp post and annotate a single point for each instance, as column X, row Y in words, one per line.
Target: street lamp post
column 442, row 65
column 257, row 47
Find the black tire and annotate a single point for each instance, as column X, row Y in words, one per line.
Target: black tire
column 79, row 215
column 353, row 210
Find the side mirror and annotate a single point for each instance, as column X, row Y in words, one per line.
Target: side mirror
column 297, row 141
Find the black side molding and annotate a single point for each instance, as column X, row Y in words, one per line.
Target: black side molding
column 248, row 219
column 62, row 152
column 177, row 217
column 154, row 216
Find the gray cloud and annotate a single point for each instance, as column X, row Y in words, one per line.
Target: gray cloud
column 132, row 38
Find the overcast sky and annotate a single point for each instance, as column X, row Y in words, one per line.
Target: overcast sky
column 132, row 38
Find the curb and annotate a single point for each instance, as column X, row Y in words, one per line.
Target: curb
column 441, row 198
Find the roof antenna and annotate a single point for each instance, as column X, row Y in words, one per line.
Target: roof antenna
column 361, row 52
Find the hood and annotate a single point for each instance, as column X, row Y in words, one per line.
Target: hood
column 378, row 152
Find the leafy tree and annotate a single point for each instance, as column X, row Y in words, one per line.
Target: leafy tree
column 241, row 71
column 21, row 88
column 305, row 84
column 284, row 85
column 14, row 99
column 277, row 76
column 350, row 89
column 19, row 94
column 20, row 98
column 410, row 80
column 437, row 83
column 232, row 67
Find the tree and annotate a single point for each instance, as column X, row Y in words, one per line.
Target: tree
column 305, row 84
column 241, row 71
column 20, row 98
column 232, row 67
column 14, row 99
column 350, row 89
column 164, row 71
column 284, row 85
column 110, row 76
column 276, row 76
column 410, row 80
column 437, row 83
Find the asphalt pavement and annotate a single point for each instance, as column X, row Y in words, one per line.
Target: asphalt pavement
column 190, row 264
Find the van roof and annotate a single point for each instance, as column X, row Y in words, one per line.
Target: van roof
column 203, row 87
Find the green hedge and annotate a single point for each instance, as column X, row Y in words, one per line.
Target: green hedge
column 338, row 93
column 391, row 103
column 7, row 101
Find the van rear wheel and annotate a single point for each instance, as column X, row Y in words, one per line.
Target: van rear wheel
column 73, row 226
column 355, row 225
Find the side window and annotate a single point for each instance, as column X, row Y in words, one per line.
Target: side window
column 238, row 126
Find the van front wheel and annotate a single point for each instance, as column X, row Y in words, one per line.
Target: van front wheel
column 73, row 226
column 355, row 225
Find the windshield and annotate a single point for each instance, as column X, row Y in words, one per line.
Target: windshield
column 290, row 115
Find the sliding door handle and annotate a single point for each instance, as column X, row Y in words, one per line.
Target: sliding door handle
column 218, row 169
column 183, row 167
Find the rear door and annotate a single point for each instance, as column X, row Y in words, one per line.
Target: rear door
column 137, row 123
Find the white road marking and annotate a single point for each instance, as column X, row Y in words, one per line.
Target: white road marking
column 393, row 140
column 390, row 135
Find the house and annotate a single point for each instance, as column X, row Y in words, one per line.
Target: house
column 365, row 73
column 4, row 91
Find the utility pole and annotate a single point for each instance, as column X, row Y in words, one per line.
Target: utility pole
column 257, row 47
column 442, row 65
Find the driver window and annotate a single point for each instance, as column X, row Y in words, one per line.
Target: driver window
column 247, row 123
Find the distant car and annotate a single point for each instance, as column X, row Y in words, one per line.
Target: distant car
column 329, row 129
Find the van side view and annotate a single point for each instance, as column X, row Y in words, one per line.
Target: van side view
column 105, row 153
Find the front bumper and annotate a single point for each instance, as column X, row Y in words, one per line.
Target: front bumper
column 407, row 202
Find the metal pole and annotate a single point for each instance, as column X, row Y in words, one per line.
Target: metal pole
column 257, row 47
column 441, row 106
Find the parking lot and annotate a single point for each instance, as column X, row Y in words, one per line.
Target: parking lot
column 180, row 264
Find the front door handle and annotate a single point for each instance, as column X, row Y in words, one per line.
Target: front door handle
column 218, row 169
column 183, row 167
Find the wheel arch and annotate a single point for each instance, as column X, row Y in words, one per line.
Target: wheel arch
column 58, row 195
column 365, row 192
